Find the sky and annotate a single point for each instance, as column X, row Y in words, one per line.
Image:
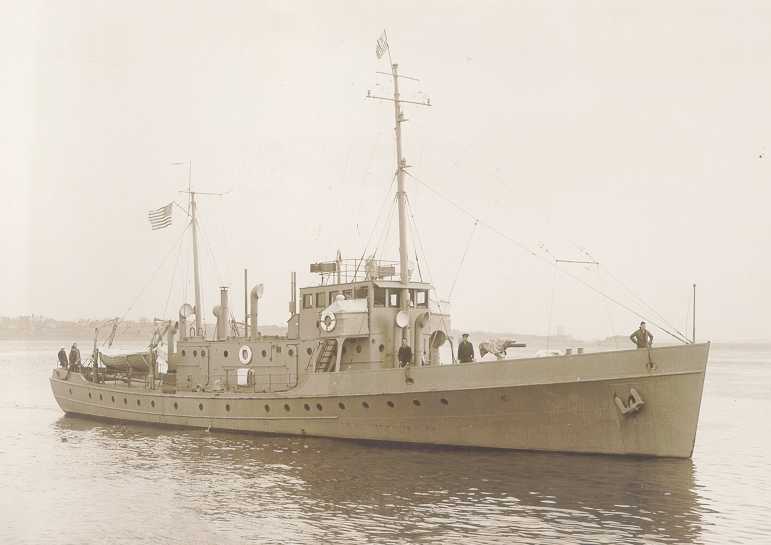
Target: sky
column 637, row 135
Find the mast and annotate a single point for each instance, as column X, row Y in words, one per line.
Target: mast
column 401, row 196
column 198, row 328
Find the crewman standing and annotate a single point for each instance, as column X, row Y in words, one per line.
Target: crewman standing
column 63, row 358
column 465, row 350
column 642, row 337
column 405, row 354
column 74, row 356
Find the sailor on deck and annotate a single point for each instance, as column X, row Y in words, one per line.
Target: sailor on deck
column 63, row 358
column 74, row 356
column 465, row 350
column 642, row 337
column 405, row 354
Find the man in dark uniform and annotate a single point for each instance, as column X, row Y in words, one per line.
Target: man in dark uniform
column 642, row 337
column 74, row 356
column 405, row 354
column 63, row 358
column 465, row 350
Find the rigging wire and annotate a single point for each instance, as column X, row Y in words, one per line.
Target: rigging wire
column 551, row 263
column 437, row 299
column 463, row 258
column 381, row 209
column 173, row 277
column 387, row 229
column 632, row 293
column 153, row 275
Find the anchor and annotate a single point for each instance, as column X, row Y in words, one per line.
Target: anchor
column 634, row 403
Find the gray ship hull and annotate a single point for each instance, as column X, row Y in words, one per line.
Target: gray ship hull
column 631, row 402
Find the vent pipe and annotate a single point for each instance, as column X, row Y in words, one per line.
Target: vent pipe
column 255, row 295
column 222, row 313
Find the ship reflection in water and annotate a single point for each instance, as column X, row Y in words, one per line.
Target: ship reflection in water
column 230, row 488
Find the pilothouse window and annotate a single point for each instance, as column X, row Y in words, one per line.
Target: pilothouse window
column 380, row 297
column 321, row 299
column 361, row 293
column 420, row 297
column 393, row 297
column 308, row 300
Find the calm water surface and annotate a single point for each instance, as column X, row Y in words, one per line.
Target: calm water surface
column 66, row 480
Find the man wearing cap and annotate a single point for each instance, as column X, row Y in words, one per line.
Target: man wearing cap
column 63, row 358
column 642, row 337
column 405, row 354
column 74, row 356
column 465, row 350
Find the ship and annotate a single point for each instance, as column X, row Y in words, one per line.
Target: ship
column 337, row 373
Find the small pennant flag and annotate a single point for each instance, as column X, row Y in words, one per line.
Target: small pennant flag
column 382, row 45
column 161, row 217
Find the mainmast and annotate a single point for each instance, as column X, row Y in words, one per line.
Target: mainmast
column 401, row 166
column 401, row 196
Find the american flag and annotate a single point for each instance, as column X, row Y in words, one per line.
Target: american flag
column 382, row 45
column 161, row 217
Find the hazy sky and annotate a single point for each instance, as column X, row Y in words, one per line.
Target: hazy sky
column 634, row 130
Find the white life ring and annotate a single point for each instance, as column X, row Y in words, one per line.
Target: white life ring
column 245, row 354
column 328, row 321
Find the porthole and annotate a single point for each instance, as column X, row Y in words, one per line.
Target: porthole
column 203, row 353
column 286, row 407
column 195, row 353
column 416, row 402
column 113, row 399
column 125, row 401
column 227, row 408
column 138, row 403
column 291, row 352
column 176, row 405
column 307, row 407
column 319, row 407
column 264, row 353
column 358, row 349
column 152, row 404
column 444, row 401
column 200, row 406
column 101, row 398
column 341, row 405
column 183, row 353
column 267, row 408
column 391, row 404
column 365, row 404
column 225, row 353
column 381, row 348
column 89, row 395
column 309, row 350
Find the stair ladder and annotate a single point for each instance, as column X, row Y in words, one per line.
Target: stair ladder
column 327, row 356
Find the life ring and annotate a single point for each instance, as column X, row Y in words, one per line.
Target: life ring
column 245, row 354
column 328, row 321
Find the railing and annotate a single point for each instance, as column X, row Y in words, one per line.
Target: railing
column 252, row 383
column 356, row 270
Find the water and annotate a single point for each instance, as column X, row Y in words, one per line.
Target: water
column 66, row 480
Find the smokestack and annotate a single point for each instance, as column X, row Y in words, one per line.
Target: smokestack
column 222, row 313
column 255, row 295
